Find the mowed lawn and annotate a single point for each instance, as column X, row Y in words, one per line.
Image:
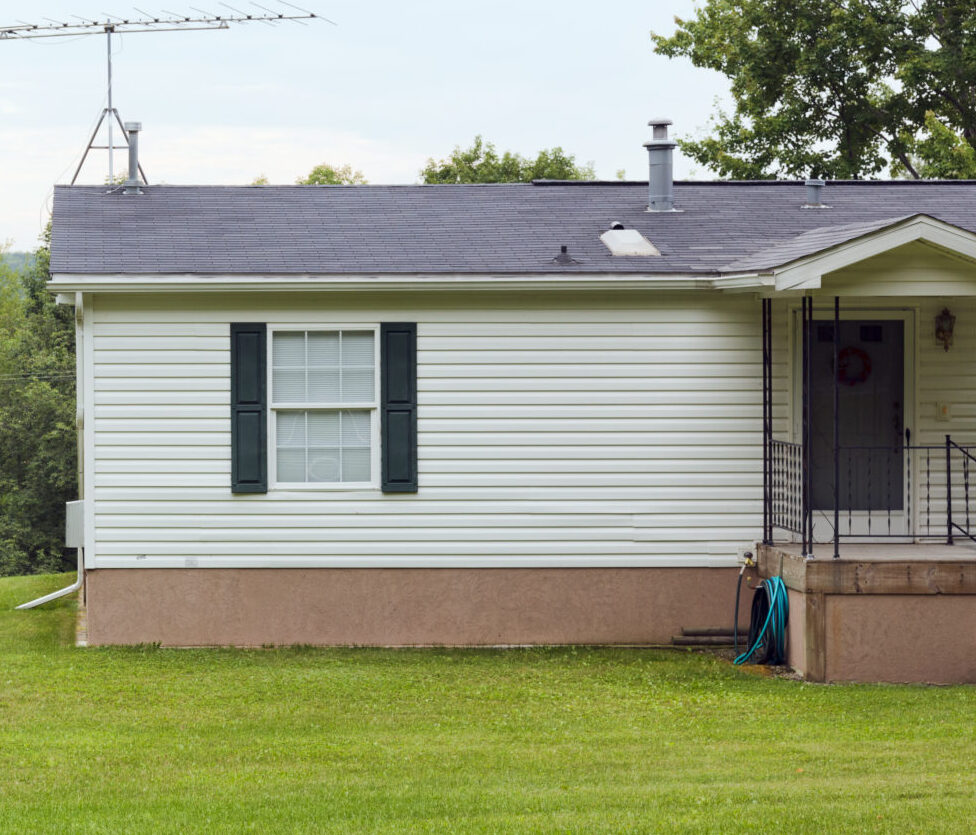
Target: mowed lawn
column 535, row 740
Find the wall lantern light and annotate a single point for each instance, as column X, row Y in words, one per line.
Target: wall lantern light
column 944, row 324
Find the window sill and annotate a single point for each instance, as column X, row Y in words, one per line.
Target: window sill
column 324, row 487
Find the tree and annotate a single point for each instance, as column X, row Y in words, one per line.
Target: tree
column 333, row 175
column 941, row 154
column 481, row 164
column 38, row 470
column 835, row 88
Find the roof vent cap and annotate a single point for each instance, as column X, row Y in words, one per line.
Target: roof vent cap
column 564, row 259
column 815, row 190
column 616, row 225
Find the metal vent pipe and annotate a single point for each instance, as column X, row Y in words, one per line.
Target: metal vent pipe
column 660, row 152
column 132, row 136
column 815, row 193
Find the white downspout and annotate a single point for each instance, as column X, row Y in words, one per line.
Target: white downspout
column 54, row 595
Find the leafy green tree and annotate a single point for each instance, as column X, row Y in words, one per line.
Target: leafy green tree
column 481, row 163
column 835, row 88
column 333, row 175
column 941, row 154
column 37, row 408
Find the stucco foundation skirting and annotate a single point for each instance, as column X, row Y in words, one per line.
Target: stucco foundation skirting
column 404, row 607
column 880, row 617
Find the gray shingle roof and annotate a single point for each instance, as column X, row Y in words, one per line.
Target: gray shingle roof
column 816, row 240
column 516, row 228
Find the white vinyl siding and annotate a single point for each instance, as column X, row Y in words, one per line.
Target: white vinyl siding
column 947, row 377
column 554, row 429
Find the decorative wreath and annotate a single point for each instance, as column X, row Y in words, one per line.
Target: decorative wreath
column 853, row 366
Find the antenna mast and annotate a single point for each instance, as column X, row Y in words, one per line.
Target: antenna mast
column 144, row 22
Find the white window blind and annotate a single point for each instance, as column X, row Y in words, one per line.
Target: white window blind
column 326, row 372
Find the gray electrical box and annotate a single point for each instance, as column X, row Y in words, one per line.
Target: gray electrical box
column 74, row 524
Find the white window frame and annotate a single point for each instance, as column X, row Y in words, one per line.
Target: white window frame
column 373, row 407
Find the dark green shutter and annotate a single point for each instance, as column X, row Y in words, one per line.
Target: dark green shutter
column 398, row 367
column 248, row 408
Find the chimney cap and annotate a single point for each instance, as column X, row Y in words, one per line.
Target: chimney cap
column 131, row 126
column 659, row 134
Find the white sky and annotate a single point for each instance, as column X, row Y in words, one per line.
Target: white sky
column 391, row 85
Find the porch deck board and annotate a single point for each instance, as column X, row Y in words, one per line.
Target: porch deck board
column 873, row 569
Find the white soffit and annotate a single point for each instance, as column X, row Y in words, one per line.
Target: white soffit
column 628, row 242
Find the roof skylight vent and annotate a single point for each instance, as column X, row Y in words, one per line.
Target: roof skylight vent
column 622, row 241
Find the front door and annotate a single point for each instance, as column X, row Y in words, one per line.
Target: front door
column 871, row 383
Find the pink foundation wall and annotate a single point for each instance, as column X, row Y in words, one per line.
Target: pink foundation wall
column 901, row 638
column 404, row 606
column 795, row 647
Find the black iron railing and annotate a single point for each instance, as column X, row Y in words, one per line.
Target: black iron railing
column 959, row 471
column 785, row 509
column 911, row 491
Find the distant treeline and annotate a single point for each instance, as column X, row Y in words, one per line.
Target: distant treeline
column 38, row 462
column 17, row 261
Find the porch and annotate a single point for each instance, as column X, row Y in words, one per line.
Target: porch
column 869, row 462
column 854, row 451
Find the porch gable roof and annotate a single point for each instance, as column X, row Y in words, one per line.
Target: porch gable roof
column 834, row 248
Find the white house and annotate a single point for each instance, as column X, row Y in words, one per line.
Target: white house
column 504, row 414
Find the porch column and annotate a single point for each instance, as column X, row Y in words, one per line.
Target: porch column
column 767, row 361
column 836, row 427
column 806, row 482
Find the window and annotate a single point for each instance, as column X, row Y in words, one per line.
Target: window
column 324, row 406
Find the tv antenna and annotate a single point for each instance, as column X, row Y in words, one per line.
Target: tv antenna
column 144, row 22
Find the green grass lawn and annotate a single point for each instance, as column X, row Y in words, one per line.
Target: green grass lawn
column 535, row 740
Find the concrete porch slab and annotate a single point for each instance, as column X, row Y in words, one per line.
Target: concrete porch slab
column 893, row 613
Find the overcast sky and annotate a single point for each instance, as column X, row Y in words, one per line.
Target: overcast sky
column 390, row 85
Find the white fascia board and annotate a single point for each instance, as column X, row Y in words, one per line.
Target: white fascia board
column 714, row 561
column 121, row 283
column 807, row 273
column 744, row 282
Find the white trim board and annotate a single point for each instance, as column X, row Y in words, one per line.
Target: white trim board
column 86, row 362
column 123, row 283
column 730, row 561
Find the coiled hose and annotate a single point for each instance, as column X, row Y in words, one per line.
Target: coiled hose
column 767, row 628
